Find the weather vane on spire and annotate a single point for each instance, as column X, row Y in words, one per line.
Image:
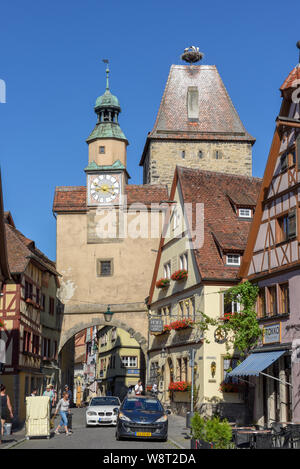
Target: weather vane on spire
column 192, row 54
column 298, row 45
column 107, row 73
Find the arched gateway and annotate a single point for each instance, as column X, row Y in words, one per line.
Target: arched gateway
column 135, row 322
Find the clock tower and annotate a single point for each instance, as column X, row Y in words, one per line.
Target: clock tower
column 106, row 171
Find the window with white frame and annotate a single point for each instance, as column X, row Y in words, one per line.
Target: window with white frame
column 245, row 213
column 129, row 362
column 167, row 270
column 183, row 261
column 233, row 259
column 229, row 307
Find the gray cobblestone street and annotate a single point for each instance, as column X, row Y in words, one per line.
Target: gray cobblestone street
column 104, row 437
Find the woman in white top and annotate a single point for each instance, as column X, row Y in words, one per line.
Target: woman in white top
column 63, row 408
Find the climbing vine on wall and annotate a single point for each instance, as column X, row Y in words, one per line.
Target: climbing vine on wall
column 241, row 329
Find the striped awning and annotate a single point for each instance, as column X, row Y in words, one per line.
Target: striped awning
column 255, row 363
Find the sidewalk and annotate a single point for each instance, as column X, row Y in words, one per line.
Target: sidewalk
column 178, row 433
column 9, row 441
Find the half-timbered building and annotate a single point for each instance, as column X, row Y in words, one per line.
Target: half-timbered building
column 272, row 260
column 21, row 308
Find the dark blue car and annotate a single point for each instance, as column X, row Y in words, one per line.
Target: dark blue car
column 142, row 417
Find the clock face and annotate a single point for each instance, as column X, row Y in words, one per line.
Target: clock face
column 104, row 188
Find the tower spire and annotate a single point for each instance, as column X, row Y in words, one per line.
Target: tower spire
column 107, row 73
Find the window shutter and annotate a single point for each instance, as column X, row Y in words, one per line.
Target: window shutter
column 292, row 223
column 298, row 151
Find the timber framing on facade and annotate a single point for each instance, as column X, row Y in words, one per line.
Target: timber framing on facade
column 267, row 251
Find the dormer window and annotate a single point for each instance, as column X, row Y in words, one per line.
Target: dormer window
column 245, row 213
column 233, row 259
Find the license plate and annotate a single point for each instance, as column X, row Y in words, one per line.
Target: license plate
column 143, row 434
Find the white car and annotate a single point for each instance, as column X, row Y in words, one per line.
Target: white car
column 102, row 411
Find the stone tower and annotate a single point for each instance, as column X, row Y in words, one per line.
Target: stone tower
column 197, row 126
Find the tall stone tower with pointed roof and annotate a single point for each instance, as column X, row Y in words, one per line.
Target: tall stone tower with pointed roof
column 197, row 126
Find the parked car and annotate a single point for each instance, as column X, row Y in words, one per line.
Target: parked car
column 142, row 417
column 102, row 411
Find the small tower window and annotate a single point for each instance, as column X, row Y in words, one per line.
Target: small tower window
column 200, row 154
column 101, row 149
column 183, row 154
column 218, row 155
column 193, row 103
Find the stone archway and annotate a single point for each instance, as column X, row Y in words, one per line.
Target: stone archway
column 134, row 321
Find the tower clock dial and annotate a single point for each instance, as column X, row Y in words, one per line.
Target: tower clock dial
column 104, row 188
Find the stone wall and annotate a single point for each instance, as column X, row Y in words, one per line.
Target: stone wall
column 163, row 156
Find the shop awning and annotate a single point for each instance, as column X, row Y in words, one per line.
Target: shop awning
column 255, row 363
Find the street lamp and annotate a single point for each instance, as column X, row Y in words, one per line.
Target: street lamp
column 108, row 314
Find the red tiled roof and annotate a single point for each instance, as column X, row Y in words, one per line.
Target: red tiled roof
column 4, row 267
column 291, row 80
column 21, row 249
column 222, row 227
column 218, row 118
column 68, row 199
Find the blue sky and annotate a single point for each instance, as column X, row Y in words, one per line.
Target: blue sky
column 50, row 59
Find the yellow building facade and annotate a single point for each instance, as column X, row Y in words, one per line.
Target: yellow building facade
column 120, row 362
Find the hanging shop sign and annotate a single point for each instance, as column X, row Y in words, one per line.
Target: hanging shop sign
column 272, row 333
column 156, row 325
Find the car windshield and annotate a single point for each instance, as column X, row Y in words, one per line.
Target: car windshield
column 105, row 401
column 151, row 405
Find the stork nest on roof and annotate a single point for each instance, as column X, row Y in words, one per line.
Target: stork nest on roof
column 191, row 56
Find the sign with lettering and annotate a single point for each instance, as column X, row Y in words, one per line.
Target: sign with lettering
column 133, row 371
column 156, row 325
column 272, row 333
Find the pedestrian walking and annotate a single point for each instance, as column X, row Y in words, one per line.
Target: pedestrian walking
column 6, row 408
column 68, row 390
column 63, row 409
column 138, row 389
column 48, row 392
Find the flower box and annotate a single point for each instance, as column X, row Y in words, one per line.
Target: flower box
column 165, row 331
column 179, row 386
column 180, row 324
column 231, row 387
column 1, row 323
column 179, row 275
column 163, row 283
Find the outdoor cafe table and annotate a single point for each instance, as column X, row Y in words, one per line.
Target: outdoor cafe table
column 252, row 432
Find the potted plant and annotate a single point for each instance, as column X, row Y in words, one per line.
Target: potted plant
column 181, row 274
column 163, row 283
column 210, row 433
column 1, row 323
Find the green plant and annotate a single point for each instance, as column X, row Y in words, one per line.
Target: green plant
column 241, row 329
column 212, row 430
column 198, row 427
